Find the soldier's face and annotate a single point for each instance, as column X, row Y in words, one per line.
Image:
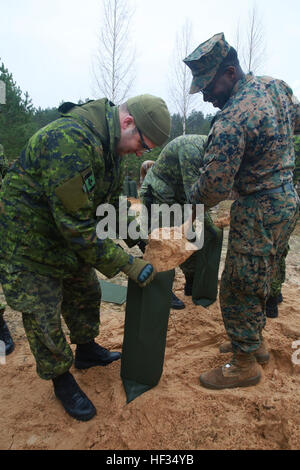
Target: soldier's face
column 131, row 141
column 219, row 90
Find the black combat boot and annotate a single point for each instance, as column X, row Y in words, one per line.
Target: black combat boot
column 176, row 303
column 279, row 298
column 5, row 336
column 92, row 354
column 272, row 307
column 73, row 399
column 188, row 288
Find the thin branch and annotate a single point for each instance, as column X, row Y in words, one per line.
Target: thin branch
column 114, row 67
column 180, row 79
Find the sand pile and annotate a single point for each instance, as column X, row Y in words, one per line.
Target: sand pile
column 167, row 248
column 178, row 413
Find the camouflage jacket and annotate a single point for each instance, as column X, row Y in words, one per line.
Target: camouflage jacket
column 176, row 170
column 50, row 195
column 3, row 164
column 250, row 145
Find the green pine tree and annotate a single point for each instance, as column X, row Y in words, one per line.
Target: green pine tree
column 16, row 115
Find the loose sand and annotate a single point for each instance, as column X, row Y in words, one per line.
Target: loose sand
column 178, row 413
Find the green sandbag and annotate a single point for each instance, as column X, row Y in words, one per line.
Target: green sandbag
column 205, row 284
column 113, row 293
column 146, row 324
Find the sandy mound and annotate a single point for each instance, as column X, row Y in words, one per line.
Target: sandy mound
column 167, row 248
column 178, row 413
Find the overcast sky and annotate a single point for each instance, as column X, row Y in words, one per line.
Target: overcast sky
column 49, row 45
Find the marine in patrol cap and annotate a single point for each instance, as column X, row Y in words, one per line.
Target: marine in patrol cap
column 151, row 116
column 205, row 61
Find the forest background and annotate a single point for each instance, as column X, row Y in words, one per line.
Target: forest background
column 19, row 120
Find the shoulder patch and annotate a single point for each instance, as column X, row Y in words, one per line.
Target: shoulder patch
column 89, row 182
column 74, row 193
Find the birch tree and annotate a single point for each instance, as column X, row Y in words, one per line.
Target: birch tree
column 255, row 46
column 180, row 77
column 114, row 66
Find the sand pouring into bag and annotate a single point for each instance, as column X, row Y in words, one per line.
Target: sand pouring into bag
column 168, row 247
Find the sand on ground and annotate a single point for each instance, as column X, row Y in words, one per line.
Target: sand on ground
column 178, row 413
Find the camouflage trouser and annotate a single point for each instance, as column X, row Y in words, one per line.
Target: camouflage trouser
column 41, row 300
column 279, row 279
column 259, row 232
column 2, row 310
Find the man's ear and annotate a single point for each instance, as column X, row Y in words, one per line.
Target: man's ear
column 126, row 121
column 231, row 73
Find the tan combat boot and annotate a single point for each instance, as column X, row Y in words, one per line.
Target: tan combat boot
column 241, row 371
column 262, row 354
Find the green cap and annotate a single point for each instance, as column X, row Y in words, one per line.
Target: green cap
column 205, row 61
column 151, row 116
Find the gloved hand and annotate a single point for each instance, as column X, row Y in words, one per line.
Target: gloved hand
column 139, row 271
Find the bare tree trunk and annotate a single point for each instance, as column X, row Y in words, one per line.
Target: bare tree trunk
column 113, row 69
column 237, row 43
column 180, row 78
column 255, row 48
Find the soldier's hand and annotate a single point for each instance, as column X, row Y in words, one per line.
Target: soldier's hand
column 139, row 271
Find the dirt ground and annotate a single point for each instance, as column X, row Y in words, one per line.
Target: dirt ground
column 178, row 413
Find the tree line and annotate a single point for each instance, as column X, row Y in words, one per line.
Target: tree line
column 19, row 120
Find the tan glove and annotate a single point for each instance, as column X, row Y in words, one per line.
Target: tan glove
column 139, row 271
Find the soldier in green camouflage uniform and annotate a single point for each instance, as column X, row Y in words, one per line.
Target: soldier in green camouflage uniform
column 5, row 335
column 250, row 149
column 169, row 181
column 48, row 242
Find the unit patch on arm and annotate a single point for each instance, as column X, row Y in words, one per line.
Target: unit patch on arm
column 76, row 192
column 88, row 180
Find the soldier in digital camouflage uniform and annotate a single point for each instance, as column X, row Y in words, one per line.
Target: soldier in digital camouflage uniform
column 250, row 149
column 169, row 181
column 275, row 297
column 48, row 242
column 5, row 335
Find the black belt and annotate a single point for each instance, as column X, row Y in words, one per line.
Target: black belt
column 281, row 189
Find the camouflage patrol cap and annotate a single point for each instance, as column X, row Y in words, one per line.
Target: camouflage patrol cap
column 205, row 61
column 151, row 116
